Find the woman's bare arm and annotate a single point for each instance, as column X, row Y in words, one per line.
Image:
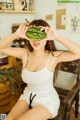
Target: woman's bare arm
column 4, row 43
column 73, row 48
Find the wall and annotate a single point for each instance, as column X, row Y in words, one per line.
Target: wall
column 7, row 19
column 49, row 7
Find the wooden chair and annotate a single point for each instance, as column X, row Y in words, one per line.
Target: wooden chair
column 69, row 97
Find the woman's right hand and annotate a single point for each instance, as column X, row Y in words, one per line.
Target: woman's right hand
column 20, row 32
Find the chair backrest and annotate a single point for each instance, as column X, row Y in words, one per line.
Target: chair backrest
column 68, row 75
column 71, row 66
column 62, row 86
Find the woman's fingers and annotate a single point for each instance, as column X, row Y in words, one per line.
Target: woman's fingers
column 20, row 32
column 47, row 29
column 26, row 28
column 42, row 28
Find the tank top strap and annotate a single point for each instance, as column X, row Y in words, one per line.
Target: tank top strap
column 48, row 60
column 25, row 60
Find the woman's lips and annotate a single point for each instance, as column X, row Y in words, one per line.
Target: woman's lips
column 36, row 44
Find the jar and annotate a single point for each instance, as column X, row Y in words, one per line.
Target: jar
column 31, row 5
column 18, row 5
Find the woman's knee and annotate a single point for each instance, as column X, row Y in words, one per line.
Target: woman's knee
column 18, row 110
column 37, row 113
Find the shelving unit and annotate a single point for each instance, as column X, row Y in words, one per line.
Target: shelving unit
column 17, row 11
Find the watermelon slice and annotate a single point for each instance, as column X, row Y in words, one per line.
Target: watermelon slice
column 35, row 34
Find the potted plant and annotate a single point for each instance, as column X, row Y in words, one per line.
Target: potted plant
column 12, row 78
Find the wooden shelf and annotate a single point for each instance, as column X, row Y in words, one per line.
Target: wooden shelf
column 17, row 11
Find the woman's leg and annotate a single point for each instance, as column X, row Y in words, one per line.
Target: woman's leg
column 19, row 109
column 37, row 113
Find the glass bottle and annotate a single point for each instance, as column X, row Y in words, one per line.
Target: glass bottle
column 31, row 5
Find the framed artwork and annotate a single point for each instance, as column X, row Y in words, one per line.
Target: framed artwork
column 6, row 6
column 75, row 24
column 61, row 19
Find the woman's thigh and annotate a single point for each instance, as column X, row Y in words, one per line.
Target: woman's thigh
column 19, row 109
column 37, row 113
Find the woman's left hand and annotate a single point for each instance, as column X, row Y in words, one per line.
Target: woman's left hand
column 51, row 34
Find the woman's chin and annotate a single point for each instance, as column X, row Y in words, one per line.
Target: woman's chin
column 36, row 49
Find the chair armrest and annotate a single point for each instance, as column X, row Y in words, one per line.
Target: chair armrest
column 70, row 97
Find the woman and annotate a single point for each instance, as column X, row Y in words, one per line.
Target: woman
column 39, row 62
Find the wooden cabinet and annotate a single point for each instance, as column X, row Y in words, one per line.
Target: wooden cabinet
column 7, row 99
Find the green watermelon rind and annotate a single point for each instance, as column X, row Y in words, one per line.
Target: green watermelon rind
column 35, row 34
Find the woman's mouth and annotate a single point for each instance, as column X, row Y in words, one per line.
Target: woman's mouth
column 36, row 44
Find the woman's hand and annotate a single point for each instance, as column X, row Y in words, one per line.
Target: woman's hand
column 51, row 33
column 20, row 32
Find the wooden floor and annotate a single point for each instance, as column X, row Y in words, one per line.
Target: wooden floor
column 72, row 115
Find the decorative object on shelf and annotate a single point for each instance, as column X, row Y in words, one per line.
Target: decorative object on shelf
column 61, row 19
column 49, row 17
column 24, row 3
column 7, row 5
column 31, row 5
column 75, row 24
column 18, row 5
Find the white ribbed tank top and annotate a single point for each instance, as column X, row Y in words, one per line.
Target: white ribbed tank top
column 39, row 81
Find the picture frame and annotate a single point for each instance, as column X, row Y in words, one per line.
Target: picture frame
column 6, row 6
column 75, row 24
column 61, row 19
